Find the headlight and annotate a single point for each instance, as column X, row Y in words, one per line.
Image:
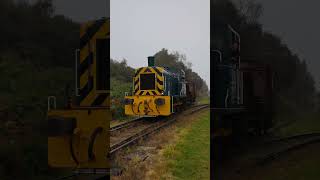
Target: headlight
column 128, row 101
column 159, row 101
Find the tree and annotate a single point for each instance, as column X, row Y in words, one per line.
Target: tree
column 293, row 82
column 44, row 7
column 250, row 10
column 177, row 62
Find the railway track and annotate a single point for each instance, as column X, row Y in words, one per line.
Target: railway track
column 137, row 120
column 142, row 127
column 126, row 124
column 287, row 144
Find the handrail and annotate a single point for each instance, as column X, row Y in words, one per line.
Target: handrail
column 54, row 102
column 76, row 72
column 226, row 99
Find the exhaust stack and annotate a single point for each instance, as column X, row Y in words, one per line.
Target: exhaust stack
column 150, row 61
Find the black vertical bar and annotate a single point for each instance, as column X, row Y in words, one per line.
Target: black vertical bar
column 103, row 64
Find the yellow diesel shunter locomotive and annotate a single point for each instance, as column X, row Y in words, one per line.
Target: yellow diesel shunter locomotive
column 158, row 91
column 79, row 133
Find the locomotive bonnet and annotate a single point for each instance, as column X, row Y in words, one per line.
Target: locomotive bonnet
column 157, row 91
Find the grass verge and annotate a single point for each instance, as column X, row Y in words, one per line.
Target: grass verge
column 307, row 123
column 189, row 158
column 298, row 165
column 204, row 100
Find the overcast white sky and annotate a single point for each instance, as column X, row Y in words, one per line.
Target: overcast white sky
column 140, row 28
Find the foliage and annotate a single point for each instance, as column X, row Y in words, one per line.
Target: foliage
column 37, row 36
column 121, row 82
column 24, row 93
column 178, row 62
column 118, row 89
column 121, row 71
column 36, row 60
column 293, row 82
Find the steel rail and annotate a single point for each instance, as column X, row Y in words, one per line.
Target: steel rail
column 150, row 129
column 136, row 120
column 126, row 124
column 298, row 136
column 117, row 146
column 312, row 138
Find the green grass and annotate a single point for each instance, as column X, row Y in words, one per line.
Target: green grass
column 303, row 124
column 190, row 157
column 309, row 169
column 298, row 167
column 204, row 100
column 118, row 89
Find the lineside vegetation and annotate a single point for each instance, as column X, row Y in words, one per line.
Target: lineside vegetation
column 190, row 157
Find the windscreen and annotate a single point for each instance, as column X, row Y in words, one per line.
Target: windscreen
column 147, row 81
column 103, row 64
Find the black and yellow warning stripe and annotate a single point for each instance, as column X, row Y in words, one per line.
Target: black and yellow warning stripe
column 89, row 33
column 159, row 85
